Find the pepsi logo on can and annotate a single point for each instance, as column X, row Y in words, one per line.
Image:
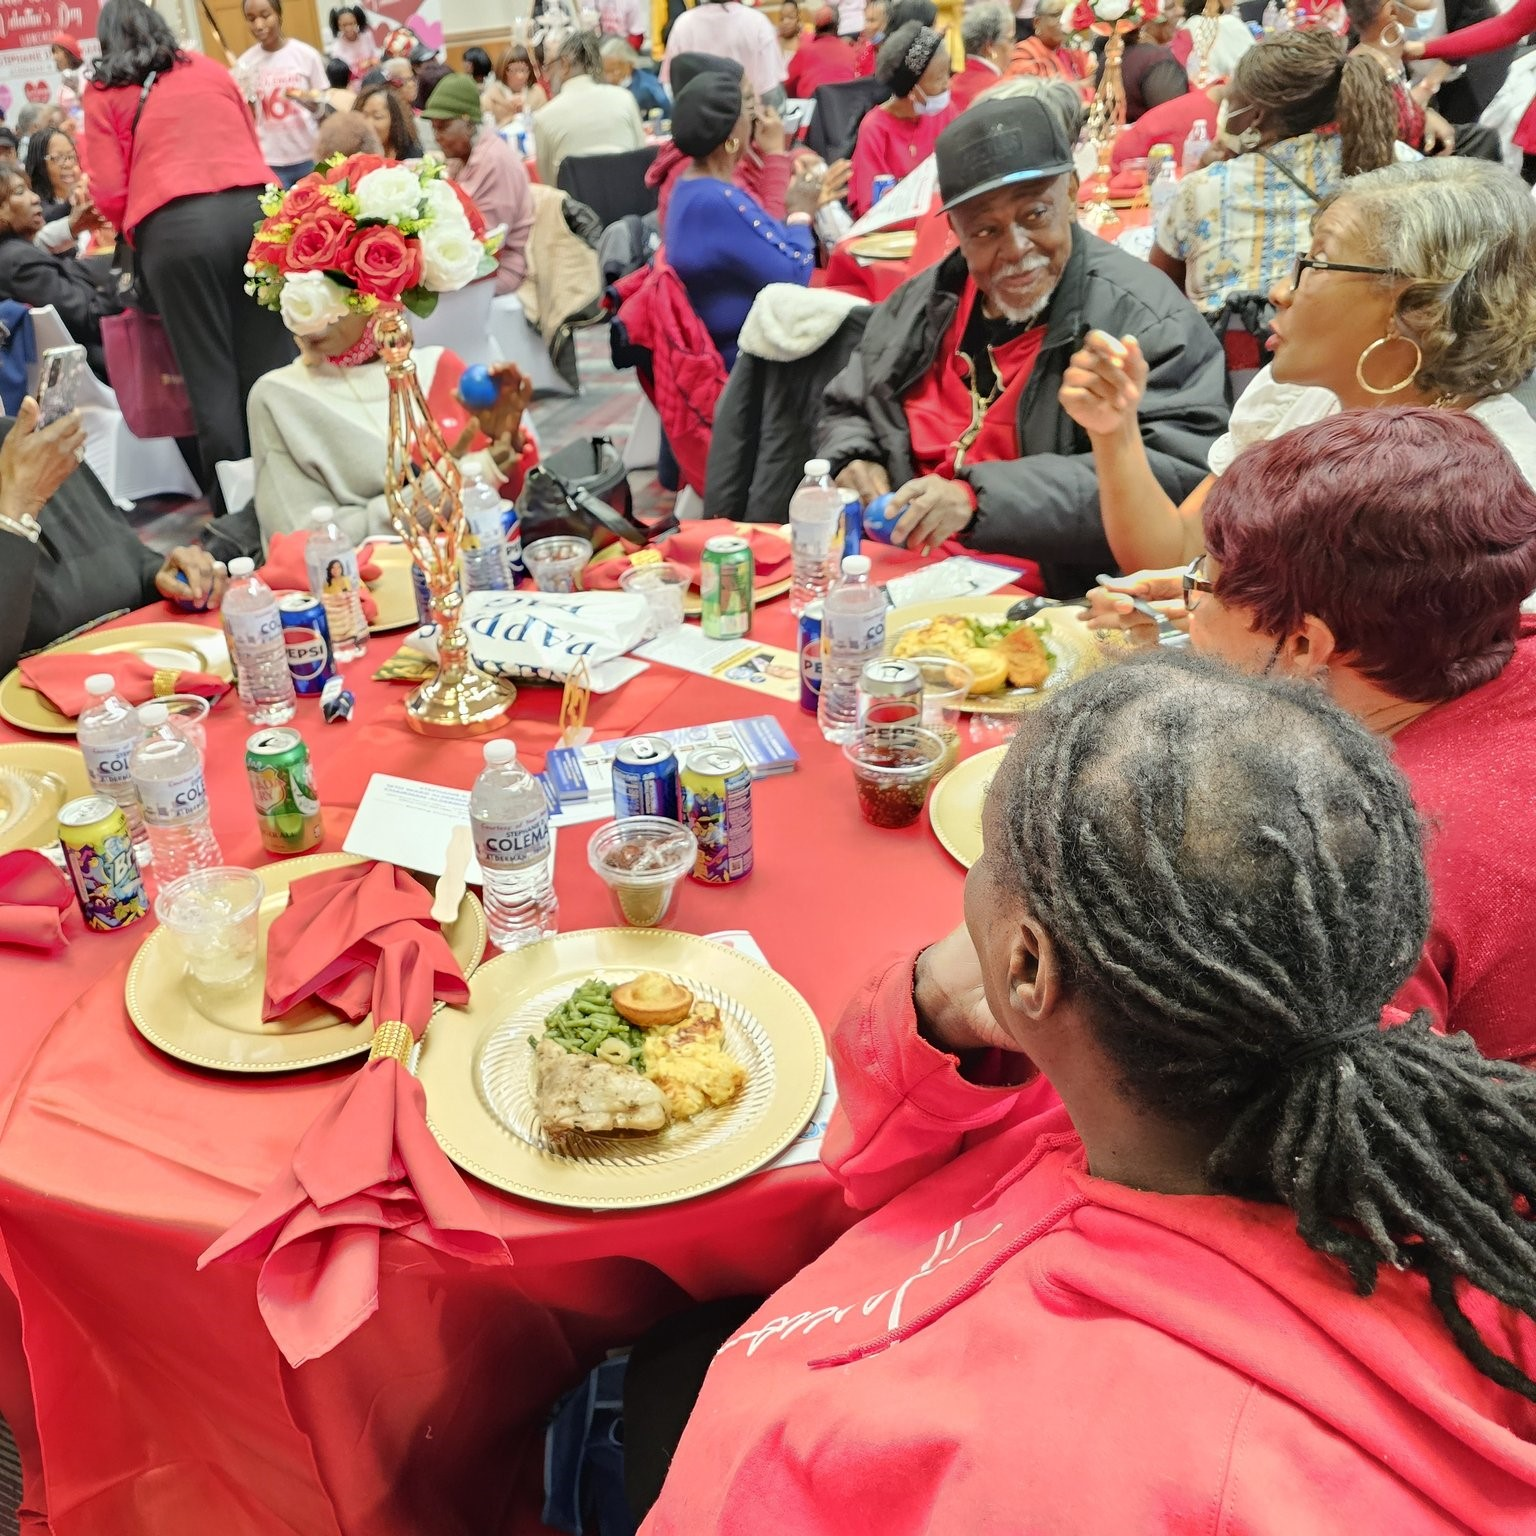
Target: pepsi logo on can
column 307, row 640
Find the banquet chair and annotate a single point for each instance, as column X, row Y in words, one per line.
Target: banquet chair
column 612, row 186
column 461, row 322
column 514, row 340
column 128, row 467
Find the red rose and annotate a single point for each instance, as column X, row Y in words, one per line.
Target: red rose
column 471, row 212
column 318, row 240
column 305, row 196
column 381, row 261
column 354, row 168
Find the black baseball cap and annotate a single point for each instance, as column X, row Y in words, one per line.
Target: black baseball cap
column 994, row 144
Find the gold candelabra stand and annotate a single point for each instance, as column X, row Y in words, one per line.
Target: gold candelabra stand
column 422, row 488
column 1106, row 117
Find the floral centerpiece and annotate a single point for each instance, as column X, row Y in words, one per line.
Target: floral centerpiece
column 362, row 231
column 1108, row 18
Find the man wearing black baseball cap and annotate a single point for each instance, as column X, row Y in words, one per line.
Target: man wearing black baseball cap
column 951, row 397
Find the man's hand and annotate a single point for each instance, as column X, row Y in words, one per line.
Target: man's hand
column 935, row 509
column 35, row 462
column 205, row 578
column 504, row 419
column 1104, row 383
column 865, row 479
column 951, row 1004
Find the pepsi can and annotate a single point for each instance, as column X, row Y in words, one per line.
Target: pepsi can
column 879, row 187
column 307, row 639
column 878, row 520
column 810, row 658
column 645, row 779
column 423, row 595
column 853, row 523
column 512, row 530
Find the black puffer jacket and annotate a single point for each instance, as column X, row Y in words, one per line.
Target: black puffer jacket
column 1043, row 506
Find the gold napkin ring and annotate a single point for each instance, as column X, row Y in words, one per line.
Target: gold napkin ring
column 165, row 681
column 392, row 1038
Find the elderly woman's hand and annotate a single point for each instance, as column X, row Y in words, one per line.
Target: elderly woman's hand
column 1110, row 605
column 803, row 194
column 949, row 998
column 502, row 421
column 834, row 182
column 1439, row 136
column 1104, row 383
column 35, row 461
column 769, row 134
column 205, row 578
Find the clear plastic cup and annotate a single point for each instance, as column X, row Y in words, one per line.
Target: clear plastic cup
column 213, row 916
column 556, row 564
column 946, row 682
column 893, row 773
column 188, row 712
column 663, row 586
column 642, row 860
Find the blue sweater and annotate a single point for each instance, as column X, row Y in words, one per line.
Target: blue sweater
column 726, row 249
column 649, row 93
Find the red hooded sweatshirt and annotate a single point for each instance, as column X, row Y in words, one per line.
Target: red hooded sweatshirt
column 1009, row 1345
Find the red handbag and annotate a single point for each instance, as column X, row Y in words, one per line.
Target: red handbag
column 142, row 368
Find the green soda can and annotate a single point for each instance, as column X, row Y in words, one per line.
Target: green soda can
column 726, row 577
column 277, row 764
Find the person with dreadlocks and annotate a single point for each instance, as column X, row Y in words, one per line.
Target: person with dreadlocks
column 1263, row 1267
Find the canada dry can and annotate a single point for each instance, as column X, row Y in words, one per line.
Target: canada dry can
column 99, row 852
column 307, row 639
column 277, row 764
column 717, row 809
column 645, row 778
column 890, row 697
column 725, row 588
column 810, row 657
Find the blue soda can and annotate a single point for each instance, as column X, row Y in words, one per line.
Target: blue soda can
column 878, row 520
column 810, row 658
column 853, row 523
column 879, row 187
column 645, row 781
column 423, row 594
column 512, row 530
column 307, row 640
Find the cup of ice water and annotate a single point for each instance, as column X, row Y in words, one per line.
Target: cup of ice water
column 663, row 585
column 556, row 564
column 213, row 917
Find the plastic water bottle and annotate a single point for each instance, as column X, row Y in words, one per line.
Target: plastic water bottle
column 108, row 730
column 1195, row 146
column 814, row 511
column 331, row 564
column 511, row 821
column 1165, row 186
column 255, row 632
column 167, row 771
column 485, row 564
column 852, row 633
column 1271, row 16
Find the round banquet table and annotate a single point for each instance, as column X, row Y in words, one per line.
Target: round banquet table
column 161, row 1404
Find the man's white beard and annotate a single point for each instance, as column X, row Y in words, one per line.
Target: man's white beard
column 1026, row 268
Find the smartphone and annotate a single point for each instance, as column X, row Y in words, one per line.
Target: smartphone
column 58, row 382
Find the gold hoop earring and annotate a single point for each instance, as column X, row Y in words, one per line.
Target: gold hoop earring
column 732, row 144
column 1412, row 374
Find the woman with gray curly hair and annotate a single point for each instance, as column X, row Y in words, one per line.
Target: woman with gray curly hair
column 1418, row 289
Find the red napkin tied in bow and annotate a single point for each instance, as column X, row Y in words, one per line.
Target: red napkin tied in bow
column 34, row 901
column 285, row 570
column 771, row 552
column 362, row 939
column 60, row 677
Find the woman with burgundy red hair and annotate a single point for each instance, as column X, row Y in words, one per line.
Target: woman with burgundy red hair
column 1384, row 555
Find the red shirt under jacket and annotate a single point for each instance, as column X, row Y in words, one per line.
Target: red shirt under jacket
column 1471, row 764
column 817, row 61
column 1008, row 1346
column 195, row 136
column 977, row 75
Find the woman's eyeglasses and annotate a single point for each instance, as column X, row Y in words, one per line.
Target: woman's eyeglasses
column 1322, row 264
column 68, row 158
column 1195, row 580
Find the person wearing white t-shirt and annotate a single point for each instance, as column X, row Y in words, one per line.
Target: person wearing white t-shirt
column 269, row 74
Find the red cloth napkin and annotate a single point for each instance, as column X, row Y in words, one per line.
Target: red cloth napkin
column 285, row 570
column 362, row 938
column 60, row 678
column 771, row 551
column 34, row 901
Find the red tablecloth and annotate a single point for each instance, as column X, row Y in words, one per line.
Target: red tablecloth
column 162, row 1405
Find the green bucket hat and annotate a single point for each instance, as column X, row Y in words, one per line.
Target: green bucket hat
column 453, row 96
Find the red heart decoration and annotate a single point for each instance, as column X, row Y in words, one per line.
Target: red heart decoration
column 37, row 91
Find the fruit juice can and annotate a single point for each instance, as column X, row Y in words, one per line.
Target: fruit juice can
column 307, row 640
column 810, row 657
column 645, row 779
column 717, row 809
column 890, row 698
column 282, row 787
column 102, row 868
column 725, row 588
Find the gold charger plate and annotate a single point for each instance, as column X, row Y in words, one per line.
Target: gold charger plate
column 186, row 647
column 954, row 809
column 693, row 604
column 884, row 245
column 225, row 1031
column 393, row 591
column 36, row 778
column 477, row 1071
column 1072, row 642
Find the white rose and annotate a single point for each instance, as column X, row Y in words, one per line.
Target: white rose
column 450, row 255
column 312, row 303
column 443, row 202
column 392, row 193
column 1111, row 10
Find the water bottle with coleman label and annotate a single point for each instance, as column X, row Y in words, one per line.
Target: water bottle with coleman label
column 108, row 730
column 167, row 771
column 254, row 628
column 510, row 817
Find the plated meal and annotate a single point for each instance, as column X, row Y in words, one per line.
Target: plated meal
column 631, row 1059
column 1001, row 653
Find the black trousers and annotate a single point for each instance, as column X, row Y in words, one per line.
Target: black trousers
column 191, row 262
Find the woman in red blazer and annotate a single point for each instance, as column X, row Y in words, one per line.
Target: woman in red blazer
column 175, row 166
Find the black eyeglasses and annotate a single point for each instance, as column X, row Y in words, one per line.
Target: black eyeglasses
column 1322, row 264
column 1195, row 580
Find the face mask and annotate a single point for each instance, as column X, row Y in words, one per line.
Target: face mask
column 1238, row 143
column 931, row 105
column 1417, row 24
